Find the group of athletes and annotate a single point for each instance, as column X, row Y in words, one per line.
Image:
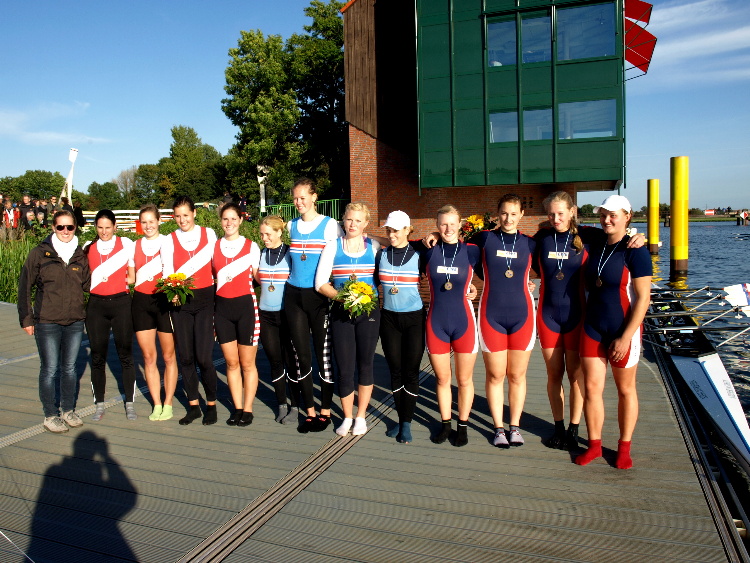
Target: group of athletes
column 594, row 291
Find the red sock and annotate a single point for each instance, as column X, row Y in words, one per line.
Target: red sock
column 623, row 455
column 594, row 451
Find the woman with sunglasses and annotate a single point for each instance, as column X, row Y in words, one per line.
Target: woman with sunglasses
column 59, row 272
column 111, row 260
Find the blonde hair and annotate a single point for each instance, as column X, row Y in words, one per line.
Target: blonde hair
column 448, row 208
column 276, row 222
column 149, row 208
column 358, row 206
column 566, row 198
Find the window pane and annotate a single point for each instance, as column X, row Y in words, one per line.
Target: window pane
column 583, row 120
column 536, row 39
column 501, row 43
column 537, row 124
column 504, row 127
column 585, row 31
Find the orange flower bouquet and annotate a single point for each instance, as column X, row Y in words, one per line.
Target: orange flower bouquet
column 178, row 285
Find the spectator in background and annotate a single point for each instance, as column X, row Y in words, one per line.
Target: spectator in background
column 66, row 204
column 78, row 214
column 52, row 206
column 26, row 207
column 242, row 203
column 42, row 208
column 10, row 223
column 227, row 198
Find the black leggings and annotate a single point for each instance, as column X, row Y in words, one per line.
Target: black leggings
column 354, row 343
column 274, row 336
column 194, row 339
column 306, row 311
column 402, row 339
column 105, row 314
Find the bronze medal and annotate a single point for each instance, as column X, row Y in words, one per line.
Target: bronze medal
column 105, row 279
column 271, row 288
column 599, row 282
column 448, row 286
column 151, row 278
column 303, row 257
column 508, row 273
column 560, row 275
column 353, row 277
column 229, row 279
column 394, row 290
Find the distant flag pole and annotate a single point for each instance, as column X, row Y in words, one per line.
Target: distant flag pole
column 68, row 187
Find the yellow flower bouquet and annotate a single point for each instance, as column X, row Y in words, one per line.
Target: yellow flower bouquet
column 474, row 224
column 176, row 285
column 358, row 297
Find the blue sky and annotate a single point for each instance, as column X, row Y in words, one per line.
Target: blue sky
column 112, row 78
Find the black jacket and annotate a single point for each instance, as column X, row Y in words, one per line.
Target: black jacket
column 59, row 287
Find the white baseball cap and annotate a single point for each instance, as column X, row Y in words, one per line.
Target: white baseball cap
column 397, row 220
column 613, row 203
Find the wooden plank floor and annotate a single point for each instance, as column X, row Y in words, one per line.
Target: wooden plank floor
column 145, row 491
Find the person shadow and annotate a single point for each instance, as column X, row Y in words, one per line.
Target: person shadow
column 80, row 504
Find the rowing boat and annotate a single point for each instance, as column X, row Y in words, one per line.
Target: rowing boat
column 671, row 326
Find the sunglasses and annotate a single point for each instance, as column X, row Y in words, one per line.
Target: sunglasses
column 63, row 227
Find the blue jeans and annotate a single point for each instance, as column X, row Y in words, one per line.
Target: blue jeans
column 58, row 349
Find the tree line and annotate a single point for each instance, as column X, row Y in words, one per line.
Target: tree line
column 286, row 99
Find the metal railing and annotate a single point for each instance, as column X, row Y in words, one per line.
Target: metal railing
column 330, row 207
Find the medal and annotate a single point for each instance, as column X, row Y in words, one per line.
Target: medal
column 508, row 273
column 394, row 290
column 303, row 257
column 271, row 288
column 105, row 279
column 560, row 275
column 600, row 267
column 229, row 279
column 151, row 278
column 599, row 282
column 448, row 286
column 353, row 277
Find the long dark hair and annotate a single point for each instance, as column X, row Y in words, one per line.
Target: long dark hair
column 183, row 200
column 101, row 214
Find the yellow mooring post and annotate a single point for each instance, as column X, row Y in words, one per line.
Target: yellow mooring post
column 653, row 216
column 679, row 189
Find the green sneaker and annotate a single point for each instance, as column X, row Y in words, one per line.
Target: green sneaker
column 156, row 413
column 166, row 412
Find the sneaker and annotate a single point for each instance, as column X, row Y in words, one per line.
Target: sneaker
column 72, row 419
column 360, row 426
column 130, row 411
column 346, row 425
column 500, row 440
column 166, row 412
column 55, row 425
column 99, row 413
column 156, row 413
column 515, row 438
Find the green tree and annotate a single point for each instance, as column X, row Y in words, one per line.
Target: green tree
column 39, row 184
column 263, row 106
column 105, row 196
column 193, row 168
column 317, row 75
column 586, row 210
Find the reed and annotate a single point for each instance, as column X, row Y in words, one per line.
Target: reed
column 12, row 257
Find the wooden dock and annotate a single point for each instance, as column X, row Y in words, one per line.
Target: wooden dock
column 159, row 492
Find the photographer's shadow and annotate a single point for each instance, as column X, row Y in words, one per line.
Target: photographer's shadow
column 80, row 504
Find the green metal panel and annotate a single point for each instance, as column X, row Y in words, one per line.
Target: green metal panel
column 459, row 90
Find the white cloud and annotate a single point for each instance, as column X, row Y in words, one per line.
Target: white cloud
column 31, row 127
column 677, row 15
column 695, row 47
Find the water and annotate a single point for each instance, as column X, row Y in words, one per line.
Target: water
column 719, row 255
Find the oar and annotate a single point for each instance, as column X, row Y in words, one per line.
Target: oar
column 683, row 314
column 701, row 328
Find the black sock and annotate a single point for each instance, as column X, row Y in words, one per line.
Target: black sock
column 307, row 425
column 246, row 420
column 461, row 433
column 210, row 417
column 321, row 422
column 192, row 414
column 235, row 418
column 571, row 437
column 445, row 430
column 558, row 438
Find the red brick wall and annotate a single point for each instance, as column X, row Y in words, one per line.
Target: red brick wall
column 386, row 180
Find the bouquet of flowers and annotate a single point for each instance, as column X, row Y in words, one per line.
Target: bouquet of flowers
column 474, row 224
column 358, row 298
column 176, row 285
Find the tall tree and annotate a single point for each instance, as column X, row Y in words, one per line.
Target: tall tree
column 126, row 184
column 38, row 183
column 263, row 106
column 192, row 166
column 317, row 76
column 105, row 196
